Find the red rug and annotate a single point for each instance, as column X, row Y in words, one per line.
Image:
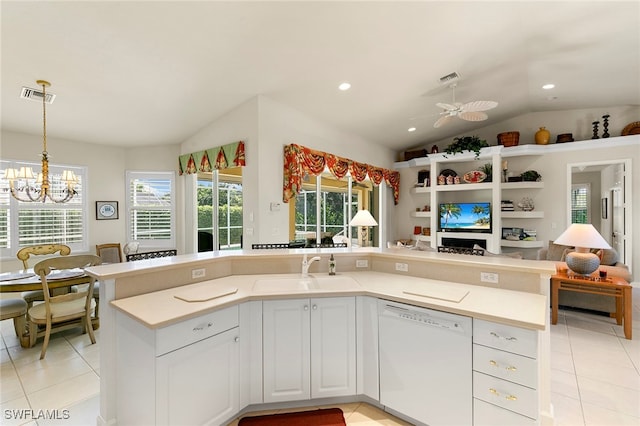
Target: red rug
column 323, row 417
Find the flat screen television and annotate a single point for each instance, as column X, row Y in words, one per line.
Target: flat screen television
column 465, row 217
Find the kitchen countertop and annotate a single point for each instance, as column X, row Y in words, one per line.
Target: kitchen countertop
column 161, row 308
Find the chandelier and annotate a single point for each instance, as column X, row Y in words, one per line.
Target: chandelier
column 23, row 184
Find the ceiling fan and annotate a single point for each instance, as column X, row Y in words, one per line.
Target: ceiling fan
column 470, row 111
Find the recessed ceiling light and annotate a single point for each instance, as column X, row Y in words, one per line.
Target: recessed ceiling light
column 411, row 129
column 344, row 86
column 548, row 86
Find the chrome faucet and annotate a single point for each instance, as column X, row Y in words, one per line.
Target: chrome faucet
column 306, row 263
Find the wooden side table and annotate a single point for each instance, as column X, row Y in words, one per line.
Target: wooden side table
column 612, row 286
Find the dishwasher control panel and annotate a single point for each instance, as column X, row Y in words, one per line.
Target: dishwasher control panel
column 428, row 317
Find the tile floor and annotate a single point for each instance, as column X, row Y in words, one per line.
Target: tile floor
column 595, row 377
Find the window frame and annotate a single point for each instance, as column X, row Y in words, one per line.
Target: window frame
column 14, row 207
column 146, row 244
column 587, row 205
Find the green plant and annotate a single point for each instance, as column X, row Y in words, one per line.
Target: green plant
column 530, row 176
column 466, row 143
column 487, row 169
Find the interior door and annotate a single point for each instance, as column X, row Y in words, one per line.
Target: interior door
column 618, row 240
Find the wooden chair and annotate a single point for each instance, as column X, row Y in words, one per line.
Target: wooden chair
column 68, row 310
column 16, row 309
column 40, row 250
column 109, row 253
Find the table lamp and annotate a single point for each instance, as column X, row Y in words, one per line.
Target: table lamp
column 364, row 220
column 582, row 236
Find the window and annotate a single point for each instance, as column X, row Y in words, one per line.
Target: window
column 226, row 226
column 30, row 223
column 150, row 209
column 580, row 203
column 336, row 197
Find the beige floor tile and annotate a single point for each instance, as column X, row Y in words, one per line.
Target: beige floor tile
column 609, row 373
column 347, row 409
column 610, row 396
column 16, row 412
column 80, row 414
column 52, row 373
column 66, row 393
column 562, row 361
column 598, row 416
column 4, row 357
column 567, row 411
column 564, row 383
column 366, row 413
column 11, row 387
column 58, row 350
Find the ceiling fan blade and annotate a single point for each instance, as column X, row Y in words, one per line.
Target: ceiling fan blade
column 479, row 105
column 448, row 107
column 442, row 120
column 473, row 116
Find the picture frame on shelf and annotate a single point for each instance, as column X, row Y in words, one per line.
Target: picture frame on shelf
column 604, row 207
column 423, row 178
column 106, row 210
column 514, row 234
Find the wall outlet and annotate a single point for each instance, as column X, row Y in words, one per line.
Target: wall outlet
column 404, row 267
column 362, row 263
column 197, row 273
column 489, row 277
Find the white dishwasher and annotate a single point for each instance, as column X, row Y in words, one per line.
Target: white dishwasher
column 426, row 364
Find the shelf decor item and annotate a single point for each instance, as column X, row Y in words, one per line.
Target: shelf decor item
column 605, row 125
column 631, row 129
column 531, row 176
column 542, row 136
column 466, row 143
column 507, row 139
column 582, row 236
column 564, row 137
column 526, row 204
column 474, row 176
column 595, row 130
column 487, row 169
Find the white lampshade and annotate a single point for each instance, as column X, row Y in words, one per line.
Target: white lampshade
column 363, row 218
column 582, row 236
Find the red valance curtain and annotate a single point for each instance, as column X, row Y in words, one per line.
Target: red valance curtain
column 299, row 160
column 219, row 157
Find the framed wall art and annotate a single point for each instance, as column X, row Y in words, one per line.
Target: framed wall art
column 106, row 210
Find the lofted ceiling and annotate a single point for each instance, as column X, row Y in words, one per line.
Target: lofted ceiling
column 155, row 72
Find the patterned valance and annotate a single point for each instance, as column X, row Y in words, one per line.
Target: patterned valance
column 220, row 157
column 299, row 160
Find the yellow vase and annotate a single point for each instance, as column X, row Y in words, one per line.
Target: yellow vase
column 542, row 136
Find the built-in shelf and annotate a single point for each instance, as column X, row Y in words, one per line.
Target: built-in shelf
column 522, row 185
column 523, row 150
column 426, row 238
column 523, row 215
column 522, row 244
column 420, row 214
column 464, row 187
column 420, row 190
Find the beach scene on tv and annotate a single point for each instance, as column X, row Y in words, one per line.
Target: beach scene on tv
column 465, row 217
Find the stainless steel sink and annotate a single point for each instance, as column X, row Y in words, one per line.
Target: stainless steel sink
column 310, row 283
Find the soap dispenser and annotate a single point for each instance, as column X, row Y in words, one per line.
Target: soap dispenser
column 332, row 265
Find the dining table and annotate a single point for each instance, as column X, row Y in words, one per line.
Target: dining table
column 57, row 280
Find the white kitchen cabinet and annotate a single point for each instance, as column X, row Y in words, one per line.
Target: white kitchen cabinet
column 185, row 373
column 309, row 348
column 505, row 374
column 209, row 399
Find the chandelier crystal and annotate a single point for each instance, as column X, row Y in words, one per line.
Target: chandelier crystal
column 25, row 186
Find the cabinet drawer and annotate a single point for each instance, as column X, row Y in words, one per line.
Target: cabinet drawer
column 505, row 365
column 521, row 399
column 505, row 337
column 186, row 332
column 485, row 414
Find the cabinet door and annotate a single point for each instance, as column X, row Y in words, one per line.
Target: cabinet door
column 198, row 384
column 333, row 346
column 286, row 350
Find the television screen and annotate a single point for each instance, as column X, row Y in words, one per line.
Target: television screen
column 465, row 217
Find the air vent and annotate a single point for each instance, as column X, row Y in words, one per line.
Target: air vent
column 450, row 78
column 36, row 95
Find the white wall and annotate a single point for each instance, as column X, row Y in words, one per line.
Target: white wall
column 106, row 167
column 266, row 127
